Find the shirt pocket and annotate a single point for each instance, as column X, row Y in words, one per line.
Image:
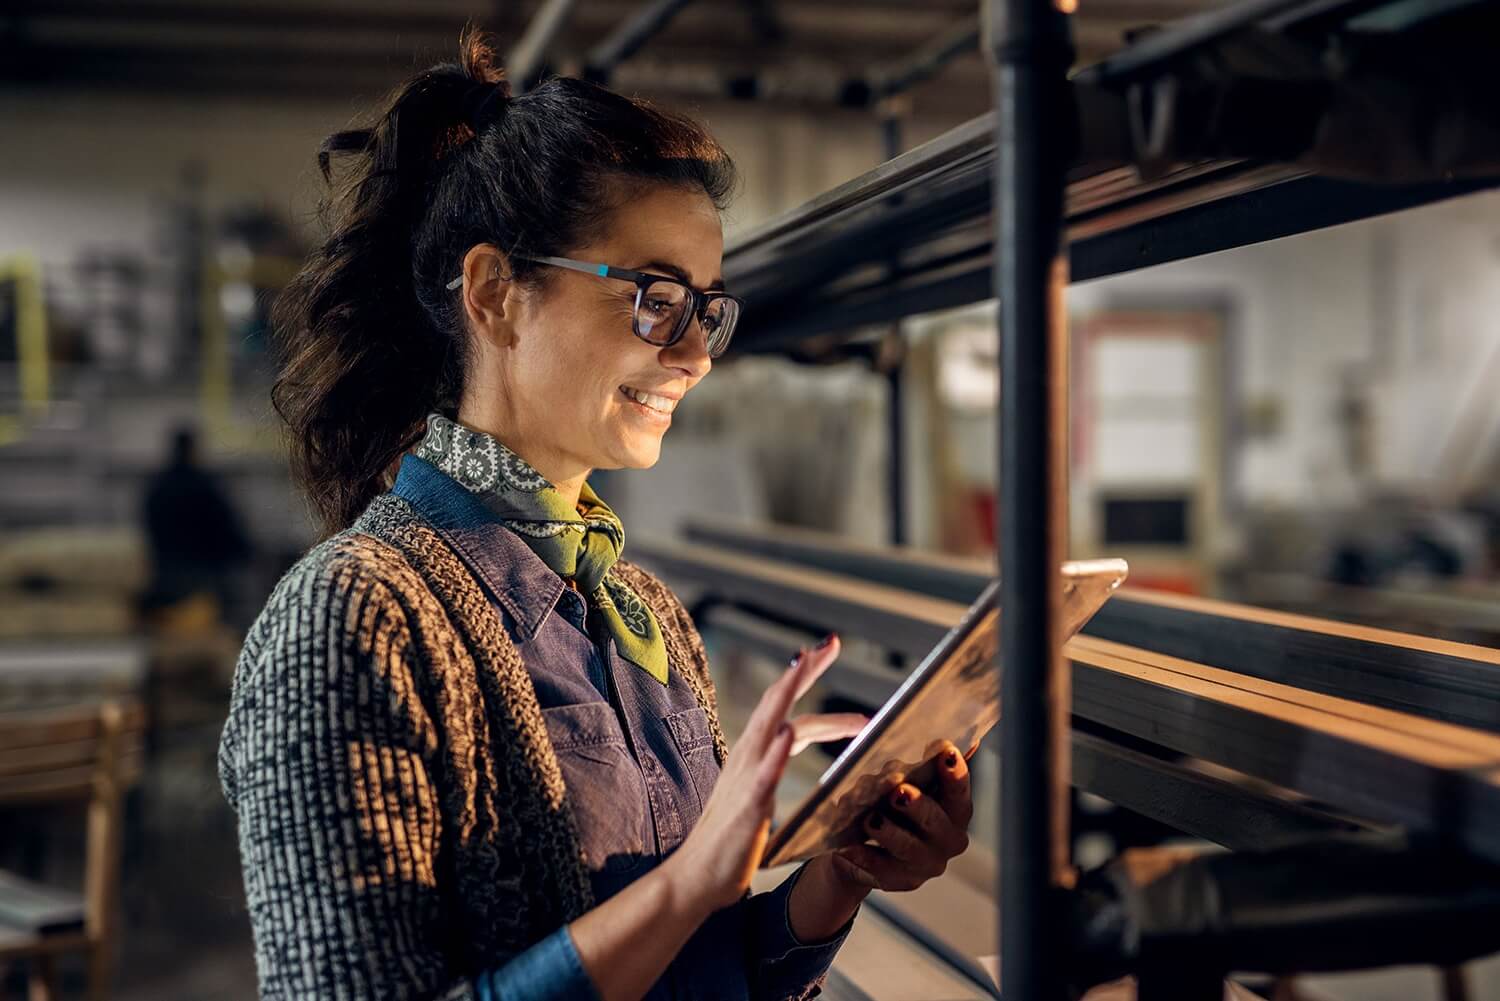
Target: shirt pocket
column 695, row 742
column 606, row 790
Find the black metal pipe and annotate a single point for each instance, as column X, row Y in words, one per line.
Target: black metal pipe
column 626, row 40
column 895, row 395
column 1184, row 36
column 1028, row 43
column 530, row 53
column 926, row 62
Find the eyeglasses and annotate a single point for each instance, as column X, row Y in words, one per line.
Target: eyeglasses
column 664, row 306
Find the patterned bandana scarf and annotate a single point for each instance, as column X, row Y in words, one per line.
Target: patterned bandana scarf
column 582, row 544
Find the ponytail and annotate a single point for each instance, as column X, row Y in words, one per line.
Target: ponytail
column 369, row 339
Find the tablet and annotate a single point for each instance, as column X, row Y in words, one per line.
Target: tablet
column 954, row 694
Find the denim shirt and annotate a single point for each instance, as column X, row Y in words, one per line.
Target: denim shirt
column 638, row 761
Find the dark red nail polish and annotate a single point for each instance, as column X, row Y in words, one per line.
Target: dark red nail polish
column 796, row 660
column 902, row 797
column 825, row 641
column 951, row 759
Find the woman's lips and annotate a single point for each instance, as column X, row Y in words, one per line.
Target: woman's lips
column 649, row 413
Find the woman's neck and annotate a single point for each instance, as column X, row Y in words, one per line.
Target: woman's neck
column 566, row 475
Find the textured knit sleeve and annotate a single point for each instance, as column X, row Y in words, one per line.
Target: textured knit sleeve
column 326, row 758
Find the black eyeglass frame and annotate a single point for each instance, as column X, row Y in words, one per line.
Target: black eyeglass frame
column 642, row 280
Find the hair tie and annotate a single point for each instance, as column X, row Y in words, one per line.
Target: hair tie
column 484, row 103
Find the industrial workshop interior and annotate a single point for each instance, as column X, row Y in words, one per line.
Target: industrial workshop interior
column 1120, row 383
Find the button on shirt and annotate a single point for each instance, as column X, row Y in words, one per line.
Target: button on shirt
column 637, row 759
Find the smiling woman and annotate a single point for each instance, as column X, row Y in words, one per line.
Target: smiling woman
column 472, row 751
column 458, row 177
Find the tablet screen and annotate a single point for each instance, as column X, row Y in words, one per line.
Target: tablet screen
column 954, row 694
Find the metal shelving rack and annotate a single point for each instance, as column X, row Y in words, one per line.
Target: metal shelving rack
column 1005, row 206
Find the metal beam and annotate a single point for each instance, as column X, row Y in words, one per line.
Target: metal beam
column 1173, row 42
column 925, row 63
column 1384, row 766
column 1158, row 229
column 1436, row 679
column 527, row 58
column 1235, row 815
column 1230, row 814
column 626, row 40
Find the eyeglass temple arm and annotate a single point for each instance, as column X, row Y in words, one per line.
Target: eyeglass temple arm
column 602, row 270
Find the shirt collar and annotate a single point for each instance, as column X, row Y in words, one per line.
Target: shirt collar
column 524, row 586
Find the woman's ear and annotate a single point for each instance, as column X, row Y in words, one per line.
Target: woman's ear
column 489, row 295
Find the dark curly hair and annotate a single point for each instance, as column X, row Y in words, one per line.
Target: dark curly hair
column 369, row 339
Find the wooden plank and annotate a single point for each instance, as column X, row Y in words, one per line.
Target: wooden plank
column 66, row 724
column 19, row 944
column 47, row 757
column 1367, row 768
column 71, row 783
column 19, row 731
column 1482, row 744
column 1440, row 679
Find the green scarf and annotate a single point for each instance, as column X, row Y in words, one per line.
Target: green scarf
column 582, row 544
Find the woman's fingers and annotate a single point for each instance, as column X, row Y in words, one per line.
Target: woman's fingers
column 900, row 843
column 818, row 660
column 772, row 763
column 812, row 729
column 873, row 866
column 777, row 700
column 771, row 710
column 954, row 793
column 928, row 819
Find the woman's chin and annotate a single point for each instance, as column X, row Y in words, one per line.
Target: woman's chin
column 639, row 452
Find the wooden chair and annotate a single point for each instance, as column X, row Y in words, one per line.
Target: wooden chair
column 90, row 753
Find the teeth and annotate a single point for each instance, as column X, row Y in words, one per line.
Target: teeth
column 660, row 404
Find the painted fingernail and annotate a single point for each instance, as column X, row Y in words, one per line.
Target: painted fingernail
column 951, row 759
column 825, row 641
column 902, row 797
column 796, row 659
column 876, row 820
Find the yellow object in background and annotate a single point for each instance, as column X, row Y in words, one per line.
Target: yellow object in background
column 30, row 321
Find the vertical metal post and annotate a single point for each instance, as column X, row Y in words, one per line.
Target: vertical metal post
column 895, row 369
column 1027, row 43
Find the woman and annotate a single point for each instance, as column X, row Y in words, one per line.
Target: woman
column 472, row 752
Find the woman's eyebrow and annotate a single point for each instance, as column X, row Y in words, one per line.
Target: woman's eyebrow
column 717, row 285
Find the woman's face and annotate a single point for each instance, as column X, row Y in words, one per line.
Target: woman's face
column 557, row 381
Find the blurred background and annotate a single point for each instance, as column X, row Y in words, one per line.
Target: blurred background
column 1307, row 425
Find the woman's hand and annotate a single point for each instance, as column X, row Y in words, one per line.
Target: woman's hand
column 715, row 863
column 626, row 942
column 915, row 833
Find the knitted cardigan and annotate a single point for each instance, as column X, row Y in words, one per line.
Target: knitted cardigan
column 403, row 822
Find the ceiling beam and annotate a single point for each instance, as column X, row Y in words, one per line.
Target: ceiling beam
column 629, row 37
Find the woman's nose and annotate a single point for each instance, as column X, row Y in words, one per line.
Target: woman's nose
column 690, row 353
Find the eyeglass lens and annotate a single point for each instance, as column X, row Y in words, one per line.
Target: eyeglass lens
column 663, row 307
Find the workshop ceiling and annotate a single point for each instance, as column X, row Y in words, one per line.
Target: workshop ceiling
column 797, row 51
